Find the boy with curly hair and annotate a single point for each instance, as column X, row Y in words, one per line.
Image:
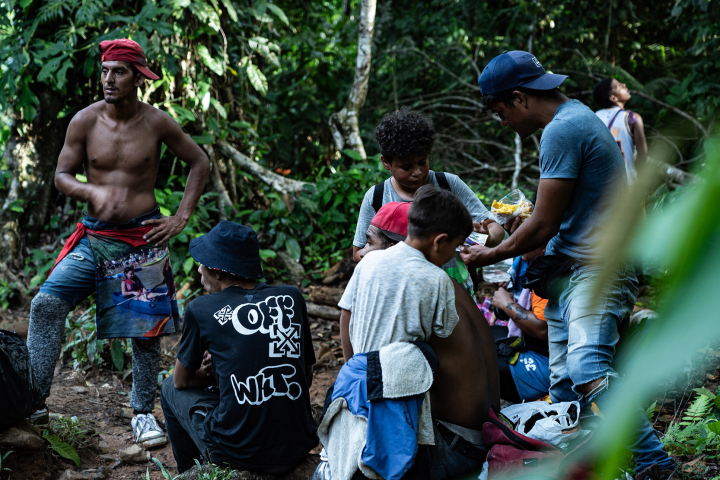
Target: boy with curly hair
column 406, row 139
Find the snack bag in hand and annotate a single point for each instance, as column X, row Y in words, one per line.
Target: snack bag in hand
column 512, row 205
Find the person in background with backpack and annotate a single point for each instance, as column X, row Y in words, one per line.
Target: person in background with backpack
column 626, row 126
column 406, row 139
column 628, row 130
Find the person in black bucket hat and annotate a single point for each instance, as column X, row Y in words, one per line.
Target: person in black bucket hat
column 252, row 342
column 229, row 247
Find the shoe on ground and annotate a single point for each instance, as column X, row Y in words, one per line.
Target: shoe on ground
column 653, row 472
column 40, row 417
column 147, row 431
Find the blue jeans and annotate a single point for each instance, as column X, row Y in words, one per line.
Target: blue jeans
column 73, row 279
column 583, row 333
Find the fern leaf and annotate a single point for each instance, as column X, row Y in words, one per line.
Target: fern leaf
column 650, row 411
column 698, row 409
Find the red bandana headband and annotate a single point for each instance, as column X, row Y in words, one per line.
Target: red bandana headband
column 125, row 50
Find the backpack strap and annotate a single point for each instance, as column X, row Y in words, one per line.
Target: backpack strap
column 442, row 181
column 378, row 196
column 377, row 202
column 612, row 120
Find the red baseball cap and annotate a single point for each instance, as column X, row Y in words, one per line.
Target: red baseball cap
column 126, row 50
column 392, row 220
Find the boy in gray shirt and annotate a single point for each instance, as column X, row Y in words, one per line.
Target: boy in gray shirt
column 415, row 298
column 406, row 139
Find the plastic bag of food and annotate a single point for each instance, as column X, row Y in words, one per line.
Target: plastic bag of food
column 512, row 205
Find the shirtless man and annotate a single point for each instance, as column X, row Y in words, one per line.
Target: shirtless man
column 466, row 383
column 116, row 142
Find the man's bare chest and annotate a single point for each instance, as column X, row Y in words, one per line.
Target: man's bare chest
column 122, row 147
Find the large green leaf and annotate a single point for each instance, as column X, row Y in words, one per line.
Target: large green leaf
column 118, row 357
column 63, row 449
column 182, row 113
column 257, row 79
column 353, row 154
column 278, row 13
column 213, row 64
column 293, row 248
column 714, row 427
column 203, row 139
column 219, row 108
column 230, row 10
column 265, row 254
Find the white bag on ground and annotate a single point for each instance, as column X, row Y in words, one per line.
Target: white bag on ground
column 556, row 424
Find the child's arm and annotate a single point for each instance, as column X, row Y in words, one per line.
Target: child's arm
column 477, row 210
column 364, row 218
column 345, row 334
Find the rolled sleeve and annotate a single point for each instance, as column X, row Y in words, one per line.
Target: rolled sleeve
column 346, row 301
column 477, row 210
column 364, row 218
column 190, row 351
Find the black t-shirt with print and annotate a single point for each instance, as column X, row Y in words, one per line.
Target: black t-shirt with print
column 261, row 344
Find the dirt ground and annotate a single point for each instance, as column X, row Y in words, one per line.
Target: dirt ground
column 101, row 401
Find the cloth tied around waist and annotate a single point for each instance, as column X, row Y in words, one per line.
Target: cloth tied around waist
column 378, row 411
column 134, row 283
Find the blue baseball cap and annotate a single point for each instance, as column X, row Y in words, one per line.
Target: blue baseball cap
column 516, row 69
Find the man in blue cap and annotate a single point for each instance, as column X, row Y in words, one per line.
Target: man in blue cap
column 579, row 163
column 251, row 343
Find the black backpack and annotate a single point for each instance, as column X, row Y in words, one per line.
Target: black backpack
column 380, row 190
column 21, row 395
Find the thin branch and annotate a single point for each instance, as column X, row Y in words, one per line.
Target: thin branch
column 674, row 109
column 432, row 61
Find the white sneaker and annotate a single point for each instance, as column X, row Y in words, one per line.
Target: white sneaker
column 145, row 428
column 40, row 417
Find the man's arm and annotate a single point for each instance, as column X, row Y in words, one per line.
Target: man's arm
column 638, row 131
column 184, row 378
column 526, row 320
column 345, row 334
column 108, row 202
column 71, row 161
column 553, row 198
column 191, row 154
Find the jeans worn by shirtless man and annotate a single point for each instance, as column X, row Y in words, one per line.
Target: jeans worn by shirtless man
column 117, row 144
column 466, row 383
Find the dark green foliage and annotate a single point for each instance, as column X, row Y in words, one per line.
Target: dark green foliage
column 265, row 77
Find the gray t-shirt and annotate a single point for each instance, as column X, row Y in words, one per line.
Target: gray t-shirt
column 477, row 210
column 577, row 144
column 396, row 295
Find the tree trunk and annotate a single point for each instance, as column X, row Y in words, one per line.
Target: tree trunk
column 224, row 200
column 344, row 124
column 278, row 182
column 30, row 156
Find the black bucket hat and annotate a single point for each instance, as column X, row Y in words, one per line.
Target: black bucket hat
column 229, row 247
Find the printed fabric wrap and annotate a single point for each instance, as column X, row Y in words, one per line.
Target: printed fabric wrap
column 135, row 289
